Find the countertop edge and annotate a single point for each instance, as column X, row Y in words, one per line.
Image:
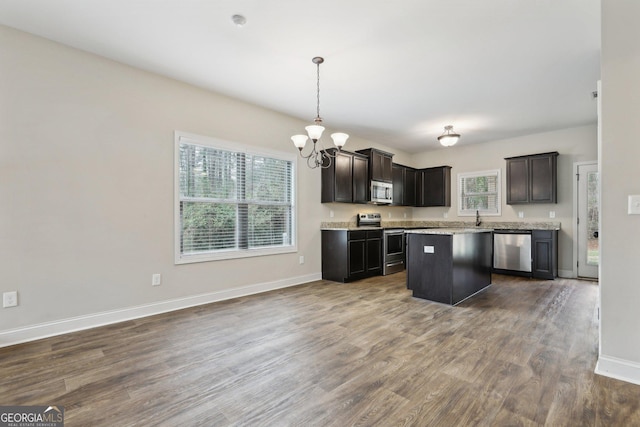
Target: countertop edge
column 507, row 225
column 449, row 231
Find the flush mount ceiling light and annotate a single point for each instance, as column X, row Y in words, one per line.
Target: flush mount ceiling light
column 449, row 137
column 318, row 157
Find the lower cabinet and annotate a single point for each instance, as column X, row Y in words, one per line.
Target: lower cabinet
column 351, row 254
column 541, row 252
column 544, row 253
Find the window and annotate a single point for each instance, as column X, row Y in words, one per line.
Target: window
column 479, row 191
column 231, row 201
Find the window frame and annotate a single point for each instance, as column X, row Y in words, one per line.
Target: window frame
column 209, row 142
column 475, row 174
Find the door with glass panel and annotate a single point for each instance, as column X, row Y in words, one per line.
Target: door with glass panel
column 588, row 216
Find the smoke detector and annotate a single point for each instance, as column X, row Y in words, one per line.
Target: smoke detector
column 239, row 20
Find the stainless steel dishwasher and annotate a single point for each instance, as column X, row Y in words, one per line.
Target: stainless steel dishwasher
column 512, row 251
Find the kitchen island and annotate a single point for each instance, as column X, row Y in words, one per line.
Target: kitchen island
column 448, row 265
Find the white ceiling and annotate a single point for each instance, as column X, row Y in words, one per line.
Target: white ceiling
column 395, row 72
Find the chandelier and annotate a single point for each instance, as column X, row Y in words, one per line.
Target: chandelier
column 449, row 137
column 318, row 157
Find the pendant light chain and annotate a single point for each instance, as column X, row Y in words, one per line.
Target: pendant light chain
column 318, row 119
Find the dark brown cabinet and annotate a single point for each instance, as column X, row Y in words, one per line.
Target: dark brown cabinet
column 448, row 268
column 346, row 179
column 544, row 253
column 360, row 179
column 433, row 186
column 404, row 185
column 380, row 164
column 532, row 178
column 409, row 195
column 351, row 254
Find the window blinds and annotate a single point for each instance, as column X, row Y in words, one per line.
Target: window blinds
column 479, row 191
column 232, row 201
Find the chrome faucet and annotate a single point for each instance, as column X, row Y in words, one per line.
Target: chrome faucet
column 478, row 222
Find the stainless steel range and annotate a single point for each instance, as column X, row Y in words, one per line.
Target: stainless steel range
column 393, row 243
column 369, row 219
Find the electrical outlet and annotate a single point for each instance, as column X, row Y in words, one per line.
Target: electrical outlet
column 301, row 259
column 405, row 214
column 330, row 214
column 445, row 215
column 389, row 214
column 10, row 299
column 520, row 214
column 156, row 279
column 552, row 214
column 634, row 205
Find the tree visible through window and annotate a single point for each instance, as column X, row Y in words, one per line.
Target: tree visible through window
column 232, row 202
column 479, row 192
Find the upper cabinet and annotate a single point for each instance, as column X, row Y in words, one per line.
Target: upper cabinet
column 433, row 186
column 346, row 180
column 532, row 178
column 380, row 162
column 404, row 185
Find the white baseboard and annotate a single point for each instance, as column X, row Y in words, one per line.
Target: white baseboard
column 64, row 326
column 567, row 274
column 619, row 369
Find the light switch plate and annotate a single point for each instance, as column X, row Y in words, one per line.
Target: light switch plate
column 634, row 205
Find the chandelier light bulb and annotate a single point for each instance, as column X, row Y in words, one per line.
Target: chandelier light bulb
column 339, row 139
column 299, row 141
column 314, row 131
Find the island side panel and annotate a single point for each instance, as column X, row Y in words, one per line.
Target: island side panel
column 429, row 274
column 472, row 262
column 334, row 255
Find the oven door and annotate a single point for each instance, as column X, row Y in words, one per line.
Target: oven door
column 394, row 251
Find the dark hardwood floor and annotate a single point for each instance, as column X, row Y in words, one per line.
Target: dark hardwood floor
column 521, row 353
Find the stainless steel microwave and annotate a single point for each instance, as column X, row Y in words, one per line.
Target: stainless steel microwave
column 381, row 192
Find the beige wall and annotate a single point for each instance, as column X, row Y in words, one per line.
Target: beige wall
column 574, row 145
column 86, row 180
column 86, row 184
column 620, row 177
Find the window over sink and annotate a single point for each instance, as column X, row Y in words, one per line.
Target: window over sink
column 479, row 192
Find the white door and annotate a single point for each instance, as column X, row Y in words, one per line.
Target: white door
column 588, row 216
